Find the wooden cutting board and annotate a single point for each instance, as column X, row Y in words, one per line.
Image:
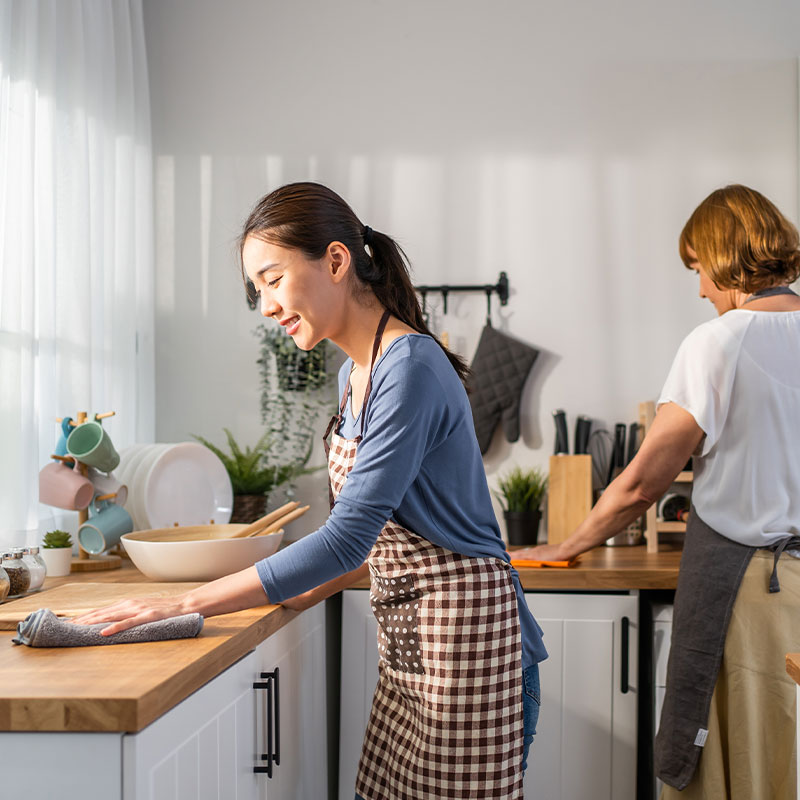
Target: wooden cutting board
column 71, row 599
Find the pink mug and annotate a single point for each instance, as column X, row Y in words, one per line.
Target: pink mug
column 64, row 487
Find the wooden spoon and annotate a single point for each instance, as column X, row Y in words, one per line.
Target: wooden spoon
column 284, row 520
column 268, row 519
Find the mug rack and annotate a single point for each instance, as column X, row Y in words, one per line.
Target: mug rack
column 86, row 562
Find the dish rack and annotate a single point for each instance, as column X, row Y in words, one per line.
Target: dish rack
column 86, row 562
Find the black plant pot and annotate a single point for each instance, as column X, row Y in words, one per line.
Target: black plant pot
column 522, row 527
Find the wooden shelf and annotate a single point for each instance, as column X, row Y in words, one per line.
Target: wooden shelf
column 653, row 525
column 670, row 527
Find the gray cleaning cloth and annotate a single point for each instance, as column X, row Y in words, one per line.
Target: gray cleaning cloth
column 43, row 628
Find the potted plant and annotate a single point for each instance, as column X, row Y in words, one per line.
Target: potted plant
column 57, row 553
column 252, row 477
column 521, row 493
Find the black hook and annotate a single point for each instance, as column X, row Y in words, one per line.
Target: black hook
column 444, row 300
column 489, row 308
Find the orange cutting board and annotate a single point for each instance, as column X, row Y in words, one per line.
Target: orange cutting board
column 71, row 599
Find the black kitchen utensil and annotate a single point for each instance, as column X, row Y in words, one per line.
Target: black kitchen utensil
column 633, row 442
column 562, row 437
column 618, row 454
column 583, row 428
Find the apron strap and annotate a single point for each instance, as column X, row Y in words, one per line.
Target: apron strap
column 375, row 347
column 790, row 542
column 336, row 420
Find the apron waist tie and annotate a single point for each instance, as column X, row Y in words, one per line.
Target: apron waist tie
column 788, row 542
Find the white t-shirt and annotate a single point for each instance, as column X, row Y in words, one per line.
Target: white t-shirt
column 739, row 377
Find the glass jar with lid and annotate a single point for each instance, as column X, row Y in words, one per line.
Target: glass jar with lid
column 35, row 562
column 19, row 575
column 5, row 584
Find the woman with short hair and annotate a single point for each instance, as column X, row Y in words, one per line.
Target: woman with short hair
column 732, row 399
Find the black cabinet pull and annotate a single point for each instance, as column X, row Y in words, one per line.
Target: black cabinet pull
column 272, row 757
column 625, row 656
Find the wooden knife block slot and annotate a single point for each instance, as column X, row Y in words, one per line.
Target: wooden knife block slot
column 569, row 498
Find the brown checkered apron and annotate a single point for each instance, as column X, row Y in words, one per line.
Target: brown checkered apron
column 446, row 719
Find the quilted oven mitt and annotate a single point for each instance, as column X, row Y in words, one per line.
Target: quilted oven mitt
column 499, row 370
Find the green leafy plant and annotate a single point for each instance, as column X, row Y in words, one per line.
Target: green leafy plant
column 55, row 539
column 522, row 490
column 248, row 468
column 296, row 387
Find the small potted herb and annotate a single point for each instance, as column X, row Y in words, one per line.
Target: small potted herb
column 521, row 493
column 57, row 553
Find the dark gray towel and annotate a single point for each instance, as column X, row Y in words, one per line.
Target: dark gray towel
column 43, row 628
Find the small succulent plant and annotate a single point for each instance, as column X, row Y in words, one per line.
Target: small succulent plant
column 53, row 539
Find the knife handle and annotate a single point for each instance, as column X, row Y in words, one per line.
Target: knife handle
column 583, row 427
column 562, row 437
column 633, row 441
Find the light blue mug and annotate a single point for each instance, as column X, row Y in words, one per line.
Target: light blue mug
column 61, row 446
column 106, row 524
column 91, row 445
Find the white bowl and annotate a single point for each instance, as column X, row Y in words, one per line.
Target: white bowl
column 190, row 554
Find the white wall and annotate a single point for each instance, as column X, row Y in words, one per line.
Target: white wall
column 563, row 143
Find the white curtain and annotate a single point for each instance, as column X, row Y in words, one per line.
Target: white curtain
column 76, row 240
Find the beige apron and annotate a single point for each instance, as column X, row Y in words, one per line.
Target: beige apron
column 446, row 719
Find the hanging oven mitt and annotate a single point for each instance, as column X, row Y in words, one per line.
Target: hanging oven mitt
column 499, row 370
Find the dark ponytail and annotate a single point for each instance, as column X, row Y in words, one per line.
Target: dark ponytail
column 309, row 216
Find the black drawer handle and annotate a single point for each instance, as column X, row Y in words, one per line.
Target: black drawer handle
column 625, row 657
column 272, row 685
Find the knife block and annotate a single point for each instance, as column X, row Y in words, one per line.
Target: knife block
column 569, row 499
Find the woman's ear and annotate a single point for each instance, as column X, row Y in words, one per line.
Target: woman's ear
column 338, row 260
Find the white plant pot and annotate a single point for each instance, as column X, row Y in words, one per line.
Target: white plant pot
column 58, row 560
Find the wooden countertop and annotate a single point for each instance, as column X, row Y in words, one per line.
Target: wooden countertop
column 603, row 569
column 120, row 687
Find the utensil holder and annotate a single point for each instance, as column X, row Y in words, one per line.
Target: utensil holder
column 569, row 498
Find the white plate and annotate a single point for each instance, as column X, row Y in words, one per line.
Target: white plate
column 138, row 476
column 187, row 485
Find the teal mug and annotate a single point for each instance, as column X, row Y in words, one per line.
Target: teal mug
column 91, row 445
column 106, row 524
column 66, row 429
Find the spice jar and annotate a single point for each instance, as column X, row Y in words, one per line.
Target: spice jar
column 5, row 584
column 30, row 555
column 19, row 576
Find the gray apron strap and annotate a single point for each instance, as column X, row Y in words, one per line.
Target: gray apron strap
column 787, row 543
column 710, row 574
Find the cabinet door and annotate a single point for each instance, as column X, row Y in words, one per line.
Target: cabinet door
column 359, row 677
column 585, row 744
column 298, row 651
column 204, row 748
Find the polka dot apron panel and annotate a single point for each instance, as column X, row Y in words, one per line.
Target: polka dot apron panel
column 446, row 720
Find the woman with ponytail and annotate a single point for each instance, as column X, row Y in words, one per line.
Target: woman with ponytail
column 455, row 708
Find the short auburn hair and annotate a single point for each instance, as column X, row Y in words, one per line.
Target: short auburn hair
column 742, row 241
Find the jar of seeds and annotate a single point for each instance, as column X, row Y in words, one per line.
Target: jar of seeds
column 19, row 576
column 5, row 584
column 30, row 555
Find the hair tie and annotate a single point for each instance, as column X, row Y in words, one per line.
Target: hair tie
column 367, row 235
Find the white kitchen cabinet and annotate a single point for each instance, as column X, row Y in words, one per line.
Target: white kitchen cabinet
column 586, row 736
column 298, row 651
column 206, row 747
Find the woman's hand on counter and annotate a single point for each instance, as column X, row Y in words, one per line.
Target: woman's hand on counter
column 222, row 596
column 542, row 552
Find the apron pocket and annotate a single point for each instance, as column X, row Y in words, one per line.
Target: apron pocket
column 395, row 604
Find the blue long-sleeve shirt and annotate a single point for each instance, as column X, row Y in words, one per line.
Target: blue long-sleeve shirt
column 419, row 464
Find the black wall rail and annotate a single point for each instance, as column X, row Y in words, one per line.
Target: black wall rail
column 500, row 289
